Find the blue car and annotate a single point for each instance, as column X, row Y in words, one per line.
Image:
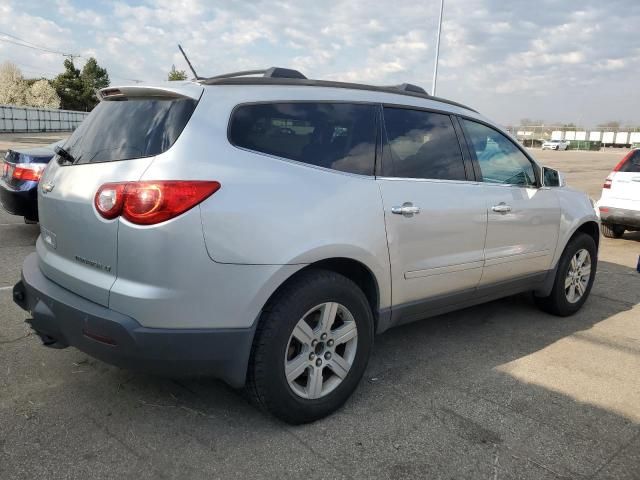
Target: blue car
column 20, row 172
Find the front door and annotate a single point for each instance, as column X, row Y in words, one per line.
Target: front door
column 523, row 217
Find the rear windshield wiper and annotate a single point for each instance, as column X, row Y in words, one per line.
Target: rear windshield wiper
column 64, row 156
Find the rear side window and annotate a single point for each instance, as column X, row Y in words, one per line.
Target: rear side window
column 421, row 145
column 129, row 128
column 339, row 136
column 632, row 165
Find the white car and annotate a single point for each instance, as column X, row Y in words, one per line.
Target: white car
column 555, row 145
column 619, row 205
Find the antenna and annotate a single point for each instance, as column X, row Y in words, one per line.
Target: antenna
column 189, row 63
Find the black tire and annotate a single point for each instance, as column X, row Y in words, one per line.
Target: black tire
column 267, row 386
column 556, row 302
column 611, row 230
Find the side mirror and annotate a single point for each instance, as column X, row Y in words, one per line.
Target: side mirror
column 552, row 178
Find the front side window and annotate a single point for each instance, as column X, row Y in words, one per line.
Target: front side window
column 340, row 136
column 500, row 160
column 422, row 145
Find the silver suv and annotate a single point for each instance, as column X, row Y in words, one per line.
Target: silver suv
column 262, row 229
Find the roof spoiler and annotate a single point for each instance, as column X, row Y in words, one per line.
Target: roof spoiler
column 178, row 91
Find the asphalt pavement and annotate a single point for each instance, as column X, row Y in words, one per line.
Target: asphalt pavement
column 495, row 391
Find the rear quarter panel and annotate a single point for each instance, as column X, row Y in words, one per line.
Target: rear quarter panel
column 272, row 211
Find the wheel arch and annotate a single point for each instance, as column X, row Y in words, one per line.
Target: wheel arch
column 589, row 227
column 354, row 270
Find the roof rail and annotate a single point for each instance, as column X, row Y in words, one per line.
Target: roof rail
column 286, row 76
column 409, row 87
column 273, row 72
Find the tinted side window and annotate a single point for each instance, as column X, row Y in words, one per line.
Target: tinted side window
column 500, row 160
column 422, row 145
column 633, row 164
column 340, row 136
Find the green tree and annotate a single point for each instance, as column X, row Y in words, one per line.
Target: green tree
column 176, row 74
column 69, row 87
column 77, row 89
column 93, row 78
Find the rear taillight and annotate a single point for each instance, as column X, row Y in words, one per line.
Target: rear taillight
column 607, row 183
column 28, row 171
column 148, row 203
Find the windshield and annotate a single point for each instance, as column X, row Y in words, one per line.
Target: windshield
column 129, row 128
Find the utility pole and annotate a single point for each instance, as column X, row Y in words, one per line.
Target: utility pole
column 435, row 68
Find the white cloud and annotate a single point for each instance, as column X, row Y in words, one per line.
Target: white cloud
column 510, row 59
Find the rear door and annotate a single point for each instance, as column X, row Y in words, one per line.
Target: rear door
column 625, row 184
column 523, row 217
column 435, row 215
column 115, row 143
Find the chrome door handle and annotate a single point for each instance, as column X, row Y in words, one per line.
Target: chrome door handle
column 407, row 209
column 501, row 208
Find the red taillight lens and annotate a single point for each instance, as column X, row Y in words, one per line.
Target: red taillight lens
column 148, row 203
column 607, row 183
column 28, row 171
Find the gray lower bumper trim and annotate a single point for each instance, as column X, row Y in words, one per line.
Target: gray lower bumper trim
column 63, row 319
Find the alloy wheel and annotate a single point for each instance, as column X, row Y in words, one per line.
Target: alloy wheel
column 321, row 350
column 578, row 275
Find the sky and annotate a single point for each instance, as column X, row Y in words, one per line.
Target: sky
column 552, row 60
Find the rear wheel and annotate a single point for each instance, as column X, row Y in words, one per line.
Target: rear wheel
column 311, row 348
column 612, row 230
column 574, row 277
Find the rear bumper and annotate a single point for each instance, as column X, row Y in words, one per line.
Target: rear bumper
column 20, row 202
column 620, row 216
column 63, row 319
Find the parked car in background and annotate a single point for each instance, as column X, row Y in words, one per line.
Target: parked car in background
column 20, row 173
column 197, row 239
column 555, row 145
column 619, row 204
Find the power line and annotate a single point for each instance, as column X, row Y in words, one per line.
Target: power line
column 25, row 43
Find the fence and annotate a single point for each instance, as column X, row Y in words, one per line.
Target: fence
column 30, row 119
column 535, row 135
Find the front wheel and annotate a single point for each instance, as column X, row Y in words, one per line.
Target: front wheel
column 311, row 348
column 574, row 277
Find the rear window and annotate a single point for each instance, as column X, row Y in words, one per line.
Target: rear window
column 340, row 136
column 129, row 128
column 633, row 164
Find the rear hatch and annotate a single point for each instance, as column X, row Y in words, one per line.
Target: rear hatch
column 117, row 142
column 625, row 183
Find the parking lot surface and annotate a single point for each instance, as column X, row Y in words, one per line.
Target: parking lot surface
column 495, row 391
